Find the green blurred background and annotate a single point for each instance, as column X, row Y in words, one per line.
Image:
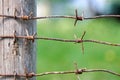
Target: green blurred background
column 61, row 56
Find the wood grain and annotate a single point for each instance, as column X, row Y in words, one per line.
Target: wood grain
column 17, row 55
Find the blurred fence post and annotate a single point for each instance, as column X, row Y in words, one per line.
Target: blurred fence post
column 17, row 56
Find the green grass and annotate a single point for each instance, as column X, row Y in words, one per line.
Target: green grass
column 61, row 56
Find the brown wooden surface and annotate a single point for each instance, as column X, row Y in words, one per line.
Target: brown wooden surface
column 19, row 57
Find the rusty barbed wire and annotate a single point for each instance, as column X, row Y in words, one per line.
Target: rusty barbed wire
column 61, row 40
column 78, row 71
column 76, row 17
column 76, row 41
column 81, row 40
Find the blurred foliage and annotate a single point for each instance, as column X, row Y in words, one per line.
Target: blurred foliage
column 115, row 8
column 61, row 56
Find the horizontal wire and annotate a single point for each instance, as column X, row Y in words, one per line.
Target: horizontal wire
column 60, row 16
column 78, row 71
column 61, row 40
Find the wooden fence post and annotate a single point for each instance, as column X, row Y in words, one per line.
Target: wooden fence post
column 17, row 55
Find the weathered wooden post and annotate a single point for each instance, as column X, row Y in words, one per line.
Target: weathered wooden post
column 17, row 55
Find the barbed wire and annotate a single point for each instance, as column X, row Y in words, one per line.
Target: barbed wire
column 76, row 17
column 33, row 37
column 80, row 40
column 78, row 71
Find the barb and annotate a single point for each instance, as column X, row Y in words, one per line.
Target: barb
column 77, row 17
column 15, row 74
column 61, row 40
column 82, row 40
